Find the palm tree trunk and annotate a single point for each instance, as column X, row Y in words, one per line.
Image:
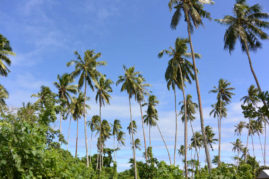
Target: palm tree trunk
column 265, row 143
column 69, row 127
column 61, row 116
column 149, row 136
column 252, row 146
column 198, row 94
column 76, row 153
column 100, row 135
column 175, row 147
column 133, row 146
column 85, row 125
column 164, row 144
column 219, row 149
column 185, row 123
column 144, row 135
column 261, row 146
column 91, row 149
column 247, row 147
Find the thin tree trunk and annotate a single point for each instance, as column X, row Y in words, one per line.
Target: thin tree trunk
column 252, row 146
column 144, row 135
column 164, row 144
column 61, row 116
column 175, row 147
column 85, row 125
column 265, row 143
column 261, row 146
column 76, row 153
column 199, row 95
column 149, row 136
column 91, row 149
column 247, row 147
column 133, row 146
column 68, row 133
column 219, row 149
column 185, row 124
column 101, row 145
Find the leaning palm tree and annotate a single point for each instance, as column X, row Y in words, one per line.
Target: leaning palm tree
column 103, row 87
column 237, row 147
column 5, row 51
column 85, row 68
column 64, row 90
column 247, row 26
column 140, row 96
column 193, row 13
column 130, row 84
column 178, row 71
column 219, row 111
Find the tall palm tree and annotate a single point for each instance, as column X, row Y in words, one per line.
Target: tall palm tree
column 219, row 111
column 86, row 69
column 64, row 90
column 103, row 87
column 237, row 147
column 140, row 96
column 178, row 71
column 251, row 132
column 196, row 142
column 77, row 110
column 258, row 129
column 247, row 26
column 5, row 51
column 151, row 119
column 130, row 84
column 193, row 13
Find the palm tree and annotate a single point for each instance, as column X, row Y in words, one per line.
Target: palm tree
column 94, row 124
column 116, row 127
column 64, row 89
column 140, row 96
column 196, row 142
column 151, row 119
column 193, row 13
column 249, row 102
column 137, row 144
column 103, row 87
column 85, row 68
column 210, row 136
column 77, row 110
column 178, row 71
column 237, row 147
column 5, row 50
column 190, row 112
column 120, row 141
column 239, row 128
column 246, row 25
column 219, row 111
column 258, row 129
column 251, row 132
column 130, row 84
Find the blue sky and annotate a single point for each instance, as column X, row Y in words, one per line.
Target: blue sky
column 45, row 33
